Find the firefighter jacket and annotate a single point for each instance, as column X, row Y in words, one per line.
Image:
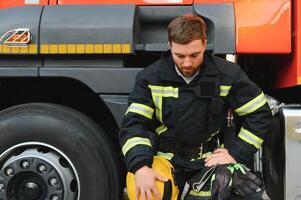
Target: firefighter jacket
column 190, row 114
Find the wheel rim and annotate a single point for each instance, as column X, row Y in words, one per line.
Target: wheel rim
column 37, row 171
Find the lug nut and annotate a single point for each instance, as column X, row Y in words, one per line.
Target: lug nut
column 25, row 164
column 2, row 187
column 53, row 181
column 9, row 171
column 42, row 168
column 55, row 197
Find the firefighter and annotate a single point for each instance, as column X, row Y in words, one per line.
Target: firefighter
column 173, row 128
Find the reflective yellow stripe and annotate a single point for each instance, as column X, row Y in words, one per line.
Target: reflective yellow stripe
column 107, row 48
column 98, row 48
column 126, row 48
column 62, row 48
column 30, row 49
column 167, row 156
column 130, row 143
column 85, row 48
column 161, row 129
column 141, row 109
column 6, row 49
column 90, row 48
column 117, row 48
column 250, row 138
column 80, row 49
column 158, row 92
column 200, row 193
column 15, row 50
column 164, row 91
column 158, row 104
column 252, row 105
column 224, row 90
column 71, row 48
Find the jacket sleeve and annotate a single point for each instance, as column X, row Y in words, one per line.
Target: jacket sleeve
column 250, row 104
column 134, row 134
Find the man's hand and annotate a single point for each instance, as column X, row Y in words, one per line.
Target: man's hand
column 219, row 157
column 145, row 179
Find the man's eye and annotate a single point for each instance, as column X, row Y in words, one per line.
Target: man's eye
column 194, row 55
column 180, row 56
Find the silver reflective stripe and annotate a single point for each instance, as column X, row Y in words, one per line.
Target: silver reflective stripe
column 224, row 90
column 130, row 143
column 165, row 92
column 252, row 105
column 158, row 103
column 250, row 138
column 141, row 109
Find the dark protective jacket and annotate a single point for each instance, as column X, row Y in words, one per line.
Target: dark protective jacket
column 189, row 114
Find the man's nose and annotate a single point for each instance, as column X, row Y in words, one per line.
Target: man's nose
column 187, row 62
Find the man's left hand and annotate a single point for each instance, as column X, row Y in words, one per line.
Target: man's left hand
column 219, row 157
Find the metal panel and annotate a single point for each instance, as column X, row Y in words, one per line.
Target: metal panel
column 221, row 26
column 100, row 80
column 261, row 34
column 20, row 61
column 83, row 61
column 21, row 17
column 292, row 129
column 18, row 72
column 153, row 21
column 87, row 24
column 117, row 104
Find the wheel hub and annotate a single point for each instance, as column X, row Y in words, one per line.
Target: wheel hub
column 31, row 190
column 37, row 174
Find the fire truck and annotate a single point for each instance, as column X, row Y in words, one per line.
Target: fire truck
column 68, row 66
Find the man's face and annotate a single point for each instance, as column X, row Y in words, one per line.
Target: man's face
column 188, row 57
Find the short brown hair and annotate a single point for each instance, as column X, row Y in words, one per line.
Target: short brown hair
column 186, row 28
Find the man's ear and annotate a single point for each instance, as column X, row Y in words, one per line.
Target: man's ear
column 169, row 44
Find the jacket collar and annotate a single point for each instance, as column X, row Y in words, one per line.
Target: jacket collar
column 167, row 70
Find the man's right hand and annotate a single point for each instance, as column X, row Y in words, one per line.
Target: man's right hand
column 145, row 179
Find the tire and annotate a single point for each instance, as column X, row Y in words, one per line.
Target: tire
column 39, row 141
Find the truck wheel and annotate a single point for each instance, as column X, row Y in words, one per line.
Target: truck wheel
column 51, row 152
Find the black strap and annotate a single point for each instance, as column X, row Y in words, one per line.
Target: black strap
column 217, row 115
column 167, row 190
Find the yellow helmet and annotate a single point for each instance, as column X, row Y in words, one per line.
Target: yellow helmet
column 168, row 189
